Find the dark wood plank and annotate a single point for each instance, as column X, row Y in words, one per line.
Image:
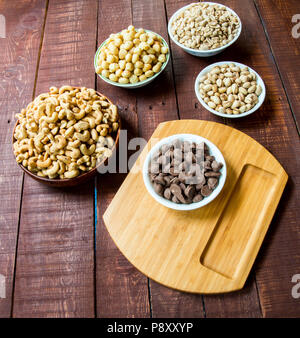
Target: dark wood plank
column 186, row 68
column 122, row 291
column 277, row 20
column 55, row 263
column 244, row 303
column 19, row 56
column 169, row 303
column 273, row 126
column 157, row 103
column 240, row 304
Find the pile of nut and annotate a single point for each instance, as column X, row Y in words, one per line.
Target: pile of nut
column 230, row 89
column 131, row 56
column 204, row 26
column 65, row 132
column 184, row 172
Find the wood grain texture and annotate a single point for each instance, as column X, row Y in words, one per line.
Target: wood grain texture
column 273, row 126
column 170, row 303
column 55, row 268
column 122, row 291
column 211, row 249
column 19, row 55
column 264, row 125
column 277, row 19
column 186, row 69
column 239, row 304
column 157, row 103
column 55, row 263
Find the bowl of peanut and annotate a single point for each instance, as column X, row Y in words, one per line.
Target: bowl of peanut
column 131, row 58
column 62, row 137
column 230, row 89
column 204, row 28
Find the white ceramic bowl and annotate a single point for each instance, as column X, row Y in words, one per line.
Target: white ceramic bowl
column 259, row 80
column 138, row 84
column 214, row 151
column 203, row 53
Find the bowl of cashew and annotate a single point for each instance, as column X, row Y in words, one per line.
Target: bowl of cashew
column 64, row 136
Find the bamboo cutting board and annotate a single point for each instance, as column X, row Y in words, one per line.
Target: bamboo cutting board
column 212, row 249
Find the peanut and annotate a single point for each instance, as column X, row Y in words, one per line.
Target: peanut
column 229, row 89
column 204, row 26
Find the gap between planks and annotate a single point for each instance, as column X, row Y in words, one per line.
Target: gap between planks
column 95, row 196
column 23, row 174
column 95, row 185
column 276, row 65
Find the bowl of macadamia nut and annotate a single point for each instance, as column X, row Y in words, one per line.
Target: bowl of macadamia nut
column 131, row 58
column 230, row 89
column 184, row 172
column 204, row 28
column 62, row 137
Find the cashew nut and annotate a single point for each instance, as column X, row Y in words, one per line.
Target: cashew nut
column 58, row 132
column 62, row 167
column 94, row 135
column 86, row 151
column 60, row 143
column 33, row 162
column 51, row 119
column 44, row 164
column 74, row 144
column 74, row 153
column 71, row 174
column 20, row 132
column 110, row 141
column 20, row 158
column 69, row 132
column 83, row 159
column 63, row 89
column 81, row 125
column 80, row 115
column 83, row 137
column 91, row 121
column 52, row 172
column 64, row 159
column 98, row 116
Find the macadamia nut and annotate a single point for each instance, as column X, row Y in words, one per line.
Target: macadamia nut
column 131, row 56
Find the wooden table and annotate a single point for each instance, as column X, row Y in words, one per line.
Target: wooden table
column 55, row 253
